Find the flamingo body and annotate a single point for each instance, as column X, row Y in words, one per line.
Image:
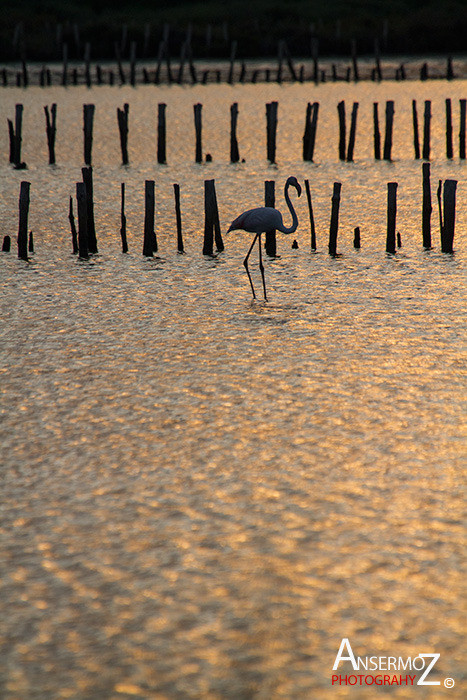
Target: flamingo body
column 264, row 219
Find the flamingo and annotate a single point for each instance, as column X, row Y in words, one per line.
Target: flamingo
column 264, row 219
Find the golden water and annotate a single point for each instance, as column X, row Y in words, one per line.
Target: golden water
column 201, row 495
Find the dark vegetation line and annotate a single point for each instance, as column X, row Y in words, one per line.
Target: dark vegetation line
column 36, row 30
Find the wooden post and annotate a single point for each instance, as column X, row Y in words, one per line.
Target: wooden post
column 309, row 136
column 379, row 75
column 449, row 210
column 389, row 127
column 119, row 63
column 133, row 63
column 356, row 237
column 233, row 51
column 150, row 241
column 312, row 218
column 87, row 61
column 198, row 130
column 18, row 139
column 161, row 133
column 51, row 130
column 65, row 64
column 352, row 134
column 270, row 201
column 271, row 130
column 31, row 243
column 74, row 235
column 391, row 218
column 89, row 192
column 178, row 215
column 234, row 154
column 354, row 60
column 314, row 54
column 449, row 69
column 211, row 219
column 6, row 245
column 122, row 118
column 462, row 128
column 334, row 225
column 426, row 130
column 82, row 220
column 416, row 138
column 88, row 117
column 23, row 220
column 123, row 220
column 342, row 129
column 376, row 132
column 426, row 206
column 449, row 148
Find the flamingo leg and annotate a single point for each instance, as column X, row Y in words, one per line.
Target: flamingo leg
column 245, row 262
column 261, row 267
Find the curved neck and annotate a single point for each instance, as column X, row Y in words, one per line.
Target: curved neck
column 292, row 228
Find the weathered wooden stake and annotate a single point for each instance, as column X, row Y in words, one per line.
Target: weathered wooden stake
column 87, row 61
column 133, row 63
column 150, row 240
column 65, row 64
column 23, row 220
column 122, row 118
column 354, row 60
column 74, row 234
column 234, row 154
column 389, row 127
column 440, row 208
column 89, row 192
column 312, row 218
column 462, row 128
column 88, row 118
column 449, row 218
column 353, row 132
column 416, row 137
column 161, row 133
column 449, row 147
column 16, row 138
column 334, row 225
column 426, row 130
column 356, row 237
column 270, row 201
column 82, row 220
column 178, row 216
column 211, row 219
column 6, row 245
column 376, row 132
column 11, row 134
column 123, row 220
column 31, row 243
column 51, row 130
column 271, row 130
column 233, row 51
column 342, row 129
column 309, row 136
column 391, row 218
column 198, row 132
column 426, row 206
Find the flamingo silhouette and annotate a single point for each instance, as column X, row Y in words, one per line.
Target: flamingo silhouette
column 264, row 219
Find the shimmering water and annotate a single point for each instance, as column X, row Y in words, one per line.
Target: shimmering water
column 201, row 495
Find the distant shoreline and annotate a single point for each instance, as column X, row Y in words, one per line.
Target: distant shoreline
column 329, row 69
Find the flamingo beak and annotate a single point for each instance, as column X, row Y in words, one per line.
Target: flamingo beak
column 299, row 188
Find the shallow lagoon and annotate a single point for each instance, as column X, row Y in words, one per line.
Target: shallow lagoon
column 201, row 495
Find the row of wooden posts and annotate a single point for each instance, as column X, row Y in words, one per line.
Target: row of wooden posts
column 84, row 239
column 186, row 70
column 346, row 147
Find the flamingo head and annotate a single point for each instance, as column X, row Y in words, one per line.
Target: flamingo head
column 295, row 183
